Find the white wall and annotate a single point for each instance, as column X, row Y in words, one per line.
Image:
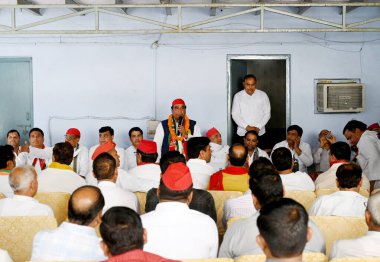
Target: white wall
column 123, row 76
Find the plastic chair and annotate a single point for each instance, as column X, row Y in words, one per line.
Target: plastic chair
column 58, row 201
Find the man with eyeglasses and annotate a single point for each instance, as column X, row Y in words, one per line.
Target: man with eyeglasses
column 80, row 160
column 172, row 133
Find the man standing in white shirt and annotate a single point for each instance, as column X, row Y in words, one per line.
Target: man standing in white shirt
column 219, row 152
column 135, row 135
column 105, row 171
column 80, row 159
column 199, row 152
column 175, row 230
column 35, row 154
column 251, row 140
column 250, row 108
column 301, row 151
column 369, row 149
column 345, row 202
column 23, row 181
column 368, row 245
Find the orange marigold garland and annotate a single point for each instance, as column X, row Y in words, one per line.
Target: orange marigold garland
column 172, row 129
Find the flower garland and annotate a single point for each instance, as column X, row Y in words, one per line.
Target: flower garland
column 172, row 128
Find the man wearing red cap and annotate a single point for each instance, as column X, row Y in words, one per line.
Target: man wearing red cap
column 172, row 133
column 219, row 152
column 146, row 174
column 80, row 159
column 175, row 230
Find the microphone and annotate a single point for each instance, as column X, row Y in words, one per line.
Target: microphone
column 180, row 122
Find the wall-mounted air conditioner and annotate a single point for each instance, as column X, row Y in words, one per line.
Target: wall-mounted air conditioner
column 340, row 97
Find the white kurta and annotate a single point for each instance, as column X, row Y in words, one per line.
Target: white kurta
column 251, row 110
column 120, row 151
column 262, row 153
column 23, row 206
column 130, row 158
column 297, row 181
column 321, row 159
column 328, row 179
column 59, row 180
column 141, row 178
column 219, row 155
column 241, row 206
column 82, row 161
column 25, row 158
column 5, row 188
column 159, row 138
column 116, row 196
column 200, row 173
column 369, row 155
column 340, row 203
column 304, row 160
column 92, row 181
column 177, row 232
column 365, row 246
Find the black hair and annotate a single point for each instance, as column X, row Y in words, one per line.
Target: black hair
column 251, row 132
column 63, row 153
column 147, row 158
column 283, row 224
column 341, row 151
column 282, row 159
column 6, row 154
column 121, row 230
column 249, row 76
column 105, row 129
column 133, row 129
column 36, row 129
column 236, row 159
column 104, row 166
column 296, row 128
column 258, row 164
column 353, row 124
column 349, row 175
column 13, row 131
column 195, row 145
column 266, row 186
column 171, row 157
column 173, row 195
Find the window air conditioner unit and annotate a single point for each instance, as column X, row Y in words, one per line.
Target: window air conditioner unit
column 340, row 98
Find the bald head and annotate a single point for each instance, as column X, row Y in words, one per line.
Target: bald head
column 85, row 205
column 23, row 180
column 237, row 155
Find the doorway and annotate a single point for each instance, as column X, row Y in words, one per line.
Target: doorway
column 273, row 77
column 16, row 92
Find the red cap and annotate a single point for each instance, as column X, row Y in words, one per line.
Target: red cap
column 373, row 126
column 73, row 131
column 106, row 147
column 147, row 147
column 178, row 101
column 212, row 132
column 177, row 177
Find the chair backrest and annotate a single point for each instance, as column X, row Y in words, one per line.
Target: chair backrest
column 356, row 259
column 220, row 197
column 327, row 191
column 209, row 260
column 2, row 195
column 233, row 220
column 58, row 201
column 305, row 198
column 141, row 197
column 306, row 257
column 335, row 228
column 17, row 233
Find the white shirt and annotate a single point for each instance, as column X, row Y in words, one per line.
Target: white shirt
column 322, row 159
column 130, row 158
column 4, row 256
column 297, row 181
column 369, row 154
column 365, row 246
column 251, row 110
column 141, row 178
column 5, row 188
column 304, row 160
column 328, row 179
column 262, row 153
column 120, row 151
column 340, row 203
column 116, row 196
column 25, row 158
column 23, row 206
column 200, row 173
column 59, row 180
column 219, row 155
column 241, row 206
column 177, row 232
column 159, row 137
column 92, row 181
column 82, row 162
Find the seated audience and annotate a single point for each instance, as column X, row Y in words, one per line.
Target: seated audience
column 59, row 176
column 368, row 245
column 202, row 200
column 240, row 238
column 284, row 231
column 251, row 140
column 23, row 181
column 7, row 163
column 235, row 176
column 124, row 237
column 136, row 136
column 219, row 152
column 175, row 230
column 75, row 239
column 199, row 153
column 105, row 171
column 283, row 162
column 345, row 202
column 80, row 158
column 13, row 139
column 301, row 151
column 340, row 153
column 322, row 154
